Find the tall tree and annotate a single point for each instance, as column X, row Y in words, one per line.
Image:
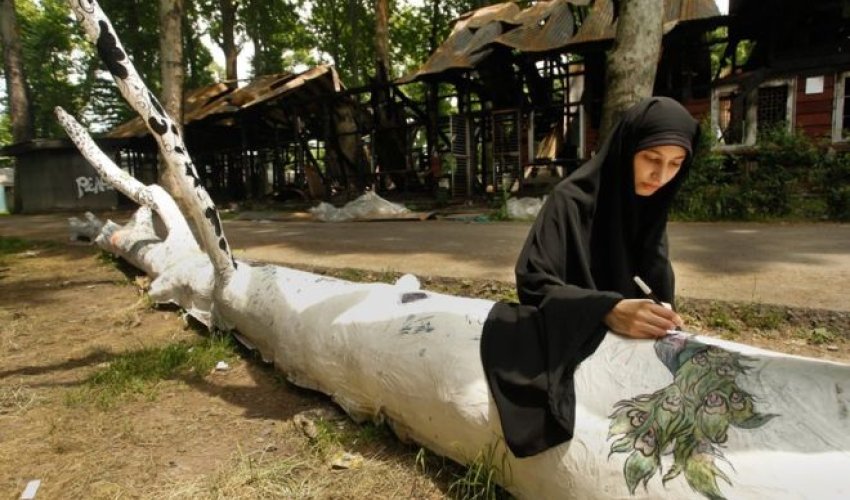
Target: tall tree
column 171, row 57
column 383, row 70
column 633, row 60
column 13, row 68
column 171, row 62
column 228, row 38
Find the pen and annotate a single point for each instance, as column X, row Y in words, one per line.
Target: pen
column 650, row 294
column 647, row 291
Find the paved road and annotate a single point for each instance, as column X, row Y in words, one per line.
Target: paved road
column 805, row 265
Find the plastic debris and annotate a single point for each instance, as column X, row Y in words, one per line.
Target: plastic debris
column 524, row 208
column 369, row 205
column 31, row 489
column 221, row 366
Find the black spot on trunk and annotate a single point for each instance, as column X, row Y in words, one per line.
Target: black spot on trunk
column 222, row 243
column 160, row 127
column 413, row 297
column 107, row 49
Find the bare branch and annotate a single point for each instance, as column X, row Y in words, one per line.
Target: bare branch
column 202, row 210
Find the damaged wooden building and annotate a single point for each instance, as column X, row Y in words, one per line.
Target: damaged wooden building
column 523, row 89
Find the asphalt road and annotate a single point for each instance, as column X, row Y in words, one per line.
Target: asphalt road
column 804, row 265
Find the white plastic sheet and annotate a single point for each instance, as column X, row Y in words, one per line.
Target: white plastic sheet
column 524, row 208
column 369, row 205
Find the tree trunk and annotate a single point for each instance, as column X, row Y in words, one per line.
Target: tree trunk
column 171, row 67
column 633, row 61
column 13, row 67
column 228, row 40
column 171, row 57
column 382, row 41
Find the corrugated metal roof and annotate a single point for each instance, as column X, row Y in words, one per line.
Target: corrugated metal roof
column 472, row 32
column 599, row 26
column 542, row 27
column 545, row 26
column 219, row 99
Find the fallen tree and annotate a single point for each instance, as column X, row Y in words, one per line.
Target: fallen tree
column 675, row 415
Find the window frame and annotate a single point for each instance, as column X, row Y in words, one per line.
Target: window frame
column 750, row 125
column 839, row 89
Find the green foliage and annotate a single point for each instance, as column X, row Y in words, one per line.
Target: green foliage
column 57, row 63
column 709, row 192
column 5, row 131
column 836, row 182
column 820, row 336
column 11, row 245
column 786, row 174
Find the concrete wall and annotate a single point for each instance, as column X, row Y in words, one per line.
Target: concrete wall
column 60, row 179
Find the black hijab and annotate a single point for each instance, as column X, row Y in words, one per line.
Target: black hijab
column 592, row 236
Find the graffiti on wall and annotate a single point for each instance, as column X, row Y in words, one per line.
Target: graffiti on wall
column 91, row 185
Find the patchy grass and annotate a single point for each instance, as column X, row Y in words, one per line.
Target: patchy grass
column 139, row 372
column 819, row 336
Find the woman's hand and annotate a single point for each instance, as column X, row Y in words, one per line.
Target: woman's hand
column 641, row 319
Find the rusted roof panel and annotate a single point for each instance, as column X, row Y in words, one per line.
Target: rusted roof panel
column 218, row 99
column 543, row 27
column 599, row 26
column 472, row 32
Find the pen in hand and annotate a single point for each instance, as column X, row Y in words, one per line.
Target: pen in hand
column 650, row 294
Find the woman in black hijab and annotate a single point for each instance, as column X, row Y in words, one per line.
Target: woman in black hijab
column 599, row 228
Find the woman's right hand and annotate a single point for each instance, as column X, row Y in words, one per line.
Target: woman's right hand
column 641, row 319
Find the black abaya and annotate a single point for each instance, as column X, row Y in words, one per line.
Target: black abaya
column 592, row 236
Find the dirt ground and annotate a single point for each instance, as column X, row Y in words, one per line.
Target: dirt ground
column 68, row 315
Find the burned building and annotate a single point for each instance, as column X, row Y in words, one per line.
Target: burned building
column 789, row 67
column 530, row 85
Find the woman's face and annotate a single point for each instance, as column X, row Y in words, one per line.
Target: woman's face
column 656, row 166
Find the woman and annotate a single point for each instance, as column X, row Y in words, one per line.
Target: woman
column 599, row 228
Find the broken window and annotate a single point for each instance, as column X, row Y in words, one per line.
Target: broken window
column 730, row 117
column 772, row 106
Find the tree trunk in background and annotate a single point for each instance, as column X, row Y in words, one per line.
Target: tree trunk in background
column 228, row 39
column 633, row 61
column 171, row 57
column 13, row 68
column 382, row 41
column 171, row 67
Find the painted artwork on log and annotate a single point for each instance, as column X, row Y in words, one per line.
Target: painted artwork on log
column 689, row 409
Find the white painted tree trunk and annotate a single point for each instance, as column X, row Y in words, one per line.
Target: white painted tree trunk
column 690, row 409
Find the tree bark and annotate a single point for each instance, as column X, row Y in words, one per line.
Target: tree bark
column 382, row 41
column 171, row 67
column 171, row 58
column 228, row 38
column 13, row 67
column 633, row 60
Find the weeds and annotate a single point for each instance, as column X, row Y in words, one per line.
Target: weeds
column 820, row 336
column 481, row 476
column 139, row 372
column 761, row 317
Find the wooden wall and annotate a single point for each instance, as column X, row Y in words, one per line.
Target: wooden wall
column 814, row 111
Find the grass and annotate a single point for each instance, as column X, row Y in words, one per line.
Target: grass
column 139, row 372
column 819, row 336
column 17, row 399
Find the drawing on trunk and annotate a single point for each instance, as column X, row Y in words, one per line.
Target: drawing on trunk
column 689, row 417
